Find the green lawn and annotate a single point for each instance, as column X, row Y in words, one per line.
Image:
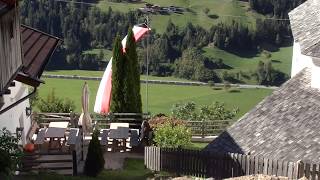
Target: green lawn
column 133, row 170
column 100, row 73
column 195, row 13
column 161, row 97
column 107, row 53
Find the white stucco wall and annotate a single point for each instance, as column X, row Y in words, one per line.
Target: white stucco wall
column 16, row 117
column 300, row 61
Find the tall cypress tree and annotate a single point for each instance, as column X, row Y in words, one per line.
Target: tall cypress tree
column 117, row 99
column 132, row 94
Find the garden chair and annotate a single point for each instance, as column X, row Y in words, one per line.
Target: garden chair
column 134, row 138
column 72, row 138
column 40, row 138
column 104, row 137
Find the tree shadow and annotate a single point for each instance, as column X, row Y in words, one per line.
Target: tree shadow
column 275, row 61
column 243, row 53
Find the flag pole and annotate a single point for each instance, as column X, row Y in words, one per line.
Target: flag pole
column 147, row 82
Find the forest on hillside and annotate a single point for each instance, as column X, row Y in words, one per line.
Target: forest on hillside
column 176, row 52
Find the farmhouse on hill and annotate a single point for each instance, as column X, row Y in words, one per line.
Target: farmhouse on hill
column 24, row 53
column 285, row 125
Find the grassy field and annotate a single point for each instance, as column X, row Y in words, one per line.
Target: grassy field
column 100, row 73
column 161, row 97
column 247, row 62
column 194, row 11
column 107, row 53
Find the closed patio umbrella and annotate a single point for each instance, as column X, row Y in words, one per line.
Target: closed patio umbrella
column 85, row 120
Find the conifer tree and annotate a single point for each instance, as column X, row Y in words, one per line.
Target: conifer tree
column 95, row 160
column 117, row 98
column 132, row 94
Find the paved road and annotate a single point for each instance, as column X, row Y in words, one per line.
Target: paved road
column 188, row 83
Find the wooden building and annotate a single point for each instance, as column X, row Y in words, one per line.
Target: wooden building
column 10, row 46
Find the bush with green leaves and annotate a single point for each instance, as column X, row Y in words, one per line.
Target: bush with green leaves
column 95, row 161
column 215, row 111
column 172, row 136
column 10, row 153
column 54, row 104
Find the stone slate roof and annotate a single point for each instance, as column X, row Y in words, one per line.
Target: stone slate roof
column 284, row 126
column 305, row 25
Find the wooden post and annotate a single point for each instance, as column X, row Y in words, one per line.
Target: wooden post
column 72, row 120
column 202, row 129
column 82, row 140
column 74, row 163
column 300, row 169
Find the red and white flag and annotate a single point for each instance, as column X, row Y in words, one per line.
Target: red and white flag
column 103, row 98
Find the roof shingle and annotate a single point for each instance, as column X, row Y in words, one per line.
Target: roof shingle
column 283, row 126
column 305, row 25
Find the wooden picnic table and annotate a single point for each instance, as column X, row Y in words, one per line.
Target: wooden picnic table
column 63, row 124
column 55, row 132
column 121, row 134
column 116, row 125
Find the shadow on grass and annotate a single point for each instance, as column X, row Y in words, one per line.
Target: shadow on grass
column 133, row 170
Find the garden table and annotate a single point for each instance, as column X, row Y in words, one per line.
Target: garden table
column 63, row 124
column 55, row 133
column 120, row 134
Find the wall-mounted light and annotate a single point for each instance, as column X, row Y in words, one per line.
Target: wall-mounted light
column 19, row 131
column 28, row 111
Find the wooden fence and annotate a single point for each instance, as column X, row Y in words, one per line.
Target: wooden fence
column 198, row 128
column 208, row 128
column 209, row 164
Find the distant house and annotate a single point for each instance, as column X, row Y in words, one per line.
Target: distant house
column 285, row 125
column 24, row 52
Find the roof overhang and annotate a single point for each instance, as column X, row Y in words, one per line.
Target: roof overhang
column 37, row 48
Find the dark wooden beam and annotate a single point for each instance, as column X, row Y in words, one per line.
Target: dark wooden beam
column 28, row 80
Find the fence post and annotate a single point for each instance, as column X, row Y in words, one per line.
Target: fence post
column 202, row 129
column 300, row 167
column 74, row 163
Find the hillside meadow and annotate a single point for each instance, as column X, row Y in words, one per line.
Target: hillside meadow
column 194, row 12
column 161, row 97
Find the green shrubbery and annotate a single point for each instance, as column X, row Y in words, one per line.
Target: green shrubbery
column 55, row 104
column 95, row 160
column 215, row 111
column 10, row 153
column 172, row 136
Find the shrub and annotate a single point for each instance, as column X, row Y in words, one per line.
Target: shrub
column 159, row 121
column 10, row 152
column 215, row 111
column 185, row 111
column 5, row 165
column 213, row 16
column 170, row 136
column 55, row 104
column 95, row 161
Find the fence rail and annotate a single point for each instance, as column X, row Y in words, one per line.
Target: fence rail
column 208, row 128
column 209, row 164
